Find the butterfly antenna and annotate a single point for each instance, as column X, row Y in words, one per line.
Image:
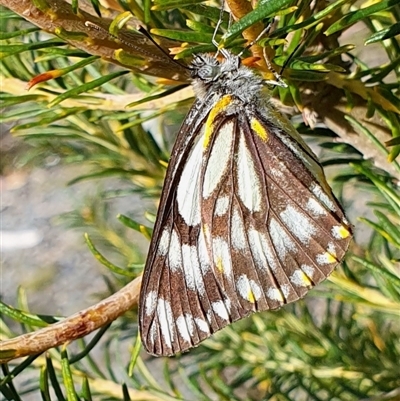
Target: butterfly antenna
column 289, row 59
column 142, row 30
column 259, row 36
column 278, row 77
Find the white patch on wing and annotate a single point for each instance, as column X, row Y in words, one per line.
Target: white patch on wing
column 150, row 302
column 209, row 312
column 163, row 245
column 249, row 186
column 332, row 249
column 165, row 317
column 294, row 147
column 322, row 196
column 268, row 252
column 336, row 232
column 282, row 242
column 340, row 232
column 298, row 224
column 185, row 327
column 257, row 249
column 222, row 257
column 202, row 325
column 285, row 290
column 175, row 254
column 238, row 235
column 187, row 194
column 219, row 159
column 325, row 259
column 228, row 304
column 300, row 279
column 255, row 288
column 275, row 294
column 243, row 286
column 204, row 257
column 221, row 206
column 248, row 289
column 315, row 208
column 220, row 309
column 191, row 269
column 153, row 332
column 308, row 270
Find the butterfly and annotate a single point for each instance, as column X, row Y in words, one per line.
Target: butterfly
column 247, row 221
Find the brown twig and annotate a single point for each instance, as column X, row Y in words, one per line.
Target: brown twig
column 130, row 50
column 72, row 327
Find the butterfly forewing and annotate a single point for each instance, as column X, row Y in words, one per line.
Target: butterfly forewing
column 246, row 223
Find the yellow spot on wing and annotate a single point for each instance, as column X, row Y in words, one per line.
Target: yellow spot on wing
column 280, row 296
column 250, row 297
column 343, row 232
column 220, row 106
column 259, row 129
column 207, row 236
column 330, row 258
column 219, row 265
column 304, row 278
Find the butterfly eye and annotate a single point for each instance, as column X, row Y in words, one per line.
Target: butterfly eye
column 205, row 71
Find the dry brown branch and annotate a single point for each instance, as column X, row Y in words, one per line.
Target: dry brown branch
column 73, row 327
column 130, row 50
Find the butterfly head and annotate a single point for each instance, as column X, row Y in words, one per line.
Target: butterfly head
column 226, row 76
column 209, row 69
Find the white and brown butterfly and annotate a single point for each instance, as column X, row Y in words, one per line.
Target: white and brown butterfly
column 247, row 221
